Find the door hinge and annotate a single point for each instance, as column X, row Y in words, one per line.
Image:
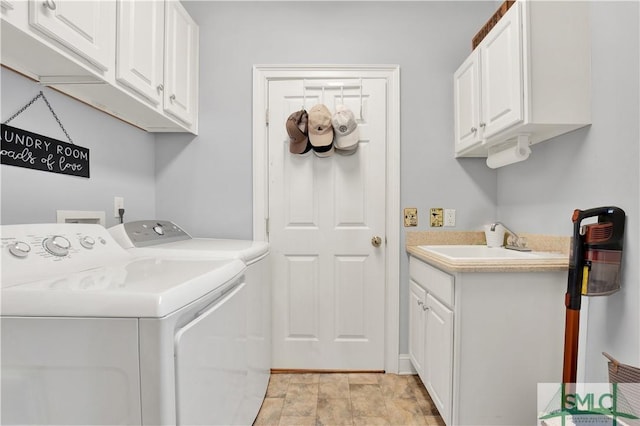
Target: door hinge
column 266, row 117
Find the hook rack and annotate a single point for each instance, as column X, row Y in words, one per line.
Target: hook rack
column 329, row 85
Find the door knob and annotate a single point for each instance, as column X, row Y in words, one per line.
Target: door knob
column 376, row 241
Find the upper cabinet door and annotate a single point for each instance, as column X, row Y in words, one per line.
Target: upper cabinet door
column 466, row 101
column 140, row 47
column 181, row 63
column 502, row 74
column 87, row 28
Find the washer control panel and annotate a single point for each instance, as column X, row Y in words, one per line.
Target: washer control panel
column 54, row 245
column 39, row 250
column 145, row 233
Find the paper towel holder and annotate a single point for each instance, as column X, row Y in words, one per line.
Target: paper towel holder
column 510, row 152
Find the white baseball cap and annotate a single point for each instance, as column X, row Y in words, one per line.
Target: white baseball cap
column 345, row 128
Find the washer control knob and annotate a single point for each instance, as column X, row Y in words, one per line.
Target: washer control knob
column 87, row 242
column 158, row 229
column 19, row 249
column 57, row 245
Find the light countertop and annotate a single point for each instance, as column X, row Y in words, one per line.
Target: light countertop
column 538, row 243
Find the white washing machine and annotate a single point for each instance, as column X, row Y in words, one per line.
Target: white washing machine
column 94, row 335
column 165, row 238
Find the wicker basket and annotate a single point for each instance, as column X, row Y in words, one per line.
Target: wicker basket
column 628, row 379
column 491, row 23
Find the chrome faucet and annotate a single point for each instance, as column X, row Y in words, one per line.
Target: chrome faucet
column 514, row 242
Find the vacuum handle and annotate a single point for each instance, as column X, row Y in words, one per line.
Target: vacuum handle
column 579, row 215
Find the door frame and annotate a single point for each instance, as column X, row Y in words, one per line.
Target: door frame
column 262, row 74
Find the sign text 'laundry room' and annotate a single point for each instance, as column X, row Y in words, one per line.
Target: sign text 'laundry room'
column 33, row 151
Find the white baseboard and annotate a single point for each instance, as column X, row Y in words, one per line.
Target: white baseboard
column 404, row 365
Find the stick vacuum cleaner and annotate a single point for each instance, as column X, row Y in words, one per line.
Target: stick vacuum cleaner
column 594, row 270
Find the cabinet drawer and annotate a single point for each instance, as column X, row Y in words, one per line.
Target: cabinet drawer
column 436, row 282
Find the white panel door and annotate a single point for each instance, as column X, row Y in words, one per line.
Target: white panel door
column 140, row 47
column 329, row 280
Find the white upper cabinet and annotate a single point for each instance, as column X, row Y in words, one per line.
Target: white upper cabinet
column 140, row 48
column 181, row 63
column 134, row 59
column 157, row 57
column 86, row 28
column 530, row 76
column 501, row 81
column 467, row 103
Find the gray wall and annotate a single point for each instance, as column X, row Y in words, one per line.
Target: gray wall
column 122, row 161
column 593, row 167
column 206, row 185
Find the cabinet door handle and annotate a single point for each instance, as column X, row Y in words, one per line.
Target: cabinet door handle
column 160, row 87
column 420, row 303
column 483, row 125
column 172, row 98
column 49, row 4
column 425, row 308
column 473, row 130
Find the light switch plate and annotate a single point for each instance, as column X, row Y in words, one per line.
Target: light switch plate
column 449, row 217
column 436, row 217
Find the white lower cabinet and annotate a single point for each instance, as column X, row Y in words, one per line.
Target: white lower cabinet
column 482, row 341
column 431, row 333
column 438, row 354
column 417, row 296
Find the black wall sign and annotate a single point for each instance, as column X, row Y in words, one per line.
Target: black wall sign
column 33, row 151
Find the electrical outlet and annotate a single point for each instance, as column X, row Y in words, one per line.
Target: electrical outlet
column 436, row 217
column 118, row 203
column 449, row 217
column 411, row 216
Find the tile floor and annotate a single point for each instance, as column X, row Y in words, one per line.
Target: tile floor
column 347, row 399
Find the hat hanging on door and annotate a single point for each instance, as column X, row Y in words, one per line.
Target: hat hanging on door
column 346, row 131
column 321, row 131
column 297, row 130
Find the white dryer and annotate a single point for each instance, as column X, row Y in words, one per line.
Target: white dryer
column 165, row 238
column 94, row 335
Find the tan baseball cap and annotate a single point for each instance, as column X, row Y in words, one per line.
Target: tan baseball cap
column 345, row 129
column 320, row 130
column 297, row 130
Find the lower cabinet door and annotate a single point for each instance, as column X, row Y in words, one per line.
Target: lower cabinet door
column 438, row 359
column 417, row 296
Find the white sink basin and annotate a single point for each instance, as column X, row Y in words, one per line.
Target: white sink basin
column 477, row 252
